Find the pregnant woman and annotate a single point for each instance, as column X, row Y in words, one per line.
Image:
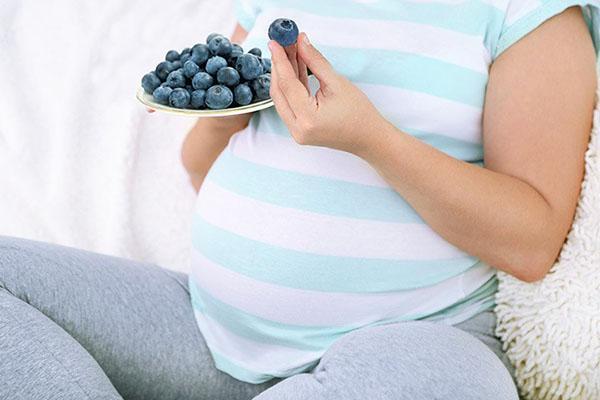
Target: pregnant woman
column 345, row 242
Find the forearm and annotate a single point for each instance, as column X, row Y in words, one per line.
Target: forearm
column 205, row 141
column 497, row 218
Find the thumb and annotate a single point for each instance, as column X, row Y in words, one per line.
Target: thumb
column 314, row 60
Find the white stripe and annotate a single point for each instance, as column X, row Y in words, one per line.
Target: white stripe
column 519, row 9
column 317, row 233
column 284, row 153
column 429, row 41
column 249, row 354
column 424, row 112
column 313, row 308
column 499, row 4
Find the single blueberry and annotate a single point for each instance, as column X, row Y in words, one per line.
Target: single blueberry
column 187, row 50
column 200, row 53
column 150, row 82
column 164, row 69
column 218, row 97
column 266, row 62
column 179, row 98
column 214, row 64
column 262, row 86
column 236, row 49
column 211, row 37
column 161, row 94
column 176, row 79
column 172, row 55
column 190, row 69
column 185, row 58
column 284, row 31
column 249, row 66
column 220, row 46
column 197, row 99
column 256, row 51
column 228, row 76
column 177, row 64
column 202, row 80
column 243, row 94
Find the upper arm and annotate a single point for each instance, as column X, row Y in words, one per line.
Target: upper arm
column 539, row 109
column 239, row 34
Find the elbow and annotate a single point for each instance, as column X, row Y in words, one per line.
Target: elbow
column 534, row 264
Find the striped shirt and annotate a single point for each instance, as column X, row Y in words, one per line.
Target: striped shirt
column 295, row 246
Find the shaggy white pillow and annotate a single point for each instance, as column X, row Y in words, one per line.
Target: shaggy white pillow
column 551, row 329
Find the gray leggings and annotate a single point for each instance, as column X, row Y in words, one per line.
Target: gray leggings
column 79, row 325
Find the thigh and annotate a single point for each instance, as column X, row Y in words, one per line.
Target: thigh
column 483, row 327
column 135, row 319
column 412, row 360
column 41, row 361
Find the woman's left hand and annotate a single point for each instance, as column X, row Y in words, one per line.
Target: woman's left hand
column 339, row 116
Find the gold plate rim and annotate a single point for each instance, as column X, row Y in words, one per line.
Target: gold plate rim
column 146, row 100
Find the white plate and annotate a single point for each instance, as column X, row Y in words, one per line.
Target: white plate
column 149, row 102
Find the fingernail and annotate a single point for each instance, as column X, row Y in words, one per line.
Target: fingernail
column 270, row 44
column 305, row 39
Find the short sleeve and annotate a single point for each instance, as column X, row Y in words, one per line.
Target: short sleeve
column 524, row 16
column 246, row 12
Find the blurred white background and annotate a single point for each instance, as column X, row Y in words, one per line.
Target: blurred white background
column 81, row 163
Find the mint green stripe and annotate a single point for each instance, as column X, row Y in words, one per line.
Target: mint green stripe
column 470, row 17
column 534, row 19
column 245, row 375
column 306, row 338
column 310, row 193
column 300, row 270
column 405, row 70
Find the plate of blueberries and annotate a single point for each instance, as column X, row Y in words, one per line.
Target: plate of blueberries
column 216, row 78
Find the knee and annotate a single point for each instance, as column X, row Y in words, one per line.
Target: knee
column 415, row 360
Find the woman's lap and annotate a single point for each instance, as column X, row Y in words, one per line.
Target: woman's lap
column 136, row 322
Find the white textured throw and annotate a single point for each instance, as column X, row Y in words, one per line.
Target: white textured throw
column 551, row 329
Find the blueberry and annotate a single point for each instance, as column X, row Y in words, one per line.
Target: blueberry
column 189, row 88
column 197, row 99
column 236, row 49
column 185, row 58
column 249, row 66
column 228, row 76
column 161, row 94
column 220, row 46
column 202, row 80
column 190, row 69
column 179, row 98
column 164, row 69
column 256, row 51
column 214, row 64
column 177, row 64
column 200, row 53
column 243, row 94
column 150, row 82
column 262, row 86
column 219, row 97
column 187, row 50
column 176, row 79
column 266, row 62
column 233, row 59
column 284, row 31
column 211, row 37
column 172, row 55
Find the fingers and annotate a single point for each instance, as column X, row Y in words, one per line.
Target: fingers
column 303, row 74
column 292, row 53
column 314, row 60
column 288, row 83
column 149, row 110
column 281, row 103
